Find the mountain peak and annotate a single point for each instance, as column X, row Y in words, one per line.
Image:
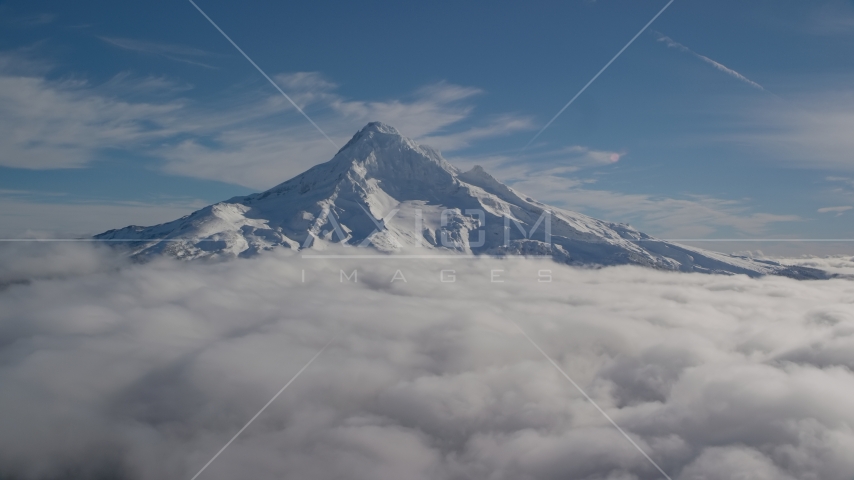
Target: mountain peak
column 379, row 127
column 371, row 131
column 380, row 151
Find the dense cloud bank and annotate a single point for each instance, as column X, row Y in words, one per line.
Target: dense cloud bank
column 26, row 261
column 144, row 372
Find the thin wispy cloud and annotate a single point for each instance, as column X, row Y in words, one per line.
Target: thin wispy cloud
column 846, row 180
column 815, row 135
column 687, row 216
column 566, row 178
column 717, row 65
column 50, row 123
column 264, row 74
column 837, row 210
column 496, row 127
column 34, row 20
column 178, row 53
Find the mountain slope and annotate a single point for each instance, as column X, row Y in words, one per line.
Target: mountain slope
column 384, row 191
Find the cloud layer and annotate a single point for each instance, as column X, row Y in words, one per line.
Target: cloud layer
column 146, row 371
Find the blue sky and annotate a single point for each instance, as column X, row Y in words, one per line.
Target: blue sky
column 726, row 119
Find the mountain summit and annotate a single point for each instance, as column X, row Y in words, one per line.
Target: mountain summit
column 386, row 192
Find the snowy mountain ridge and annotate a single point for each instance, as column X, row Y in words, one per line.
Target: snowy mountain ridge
column 386, row 192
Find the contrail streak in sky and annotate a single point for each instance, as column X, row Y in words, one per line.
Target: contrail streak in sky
column 723, row 68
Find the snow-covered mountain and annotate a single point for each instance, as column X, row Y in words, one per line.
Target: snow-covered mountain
column 383, row 191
